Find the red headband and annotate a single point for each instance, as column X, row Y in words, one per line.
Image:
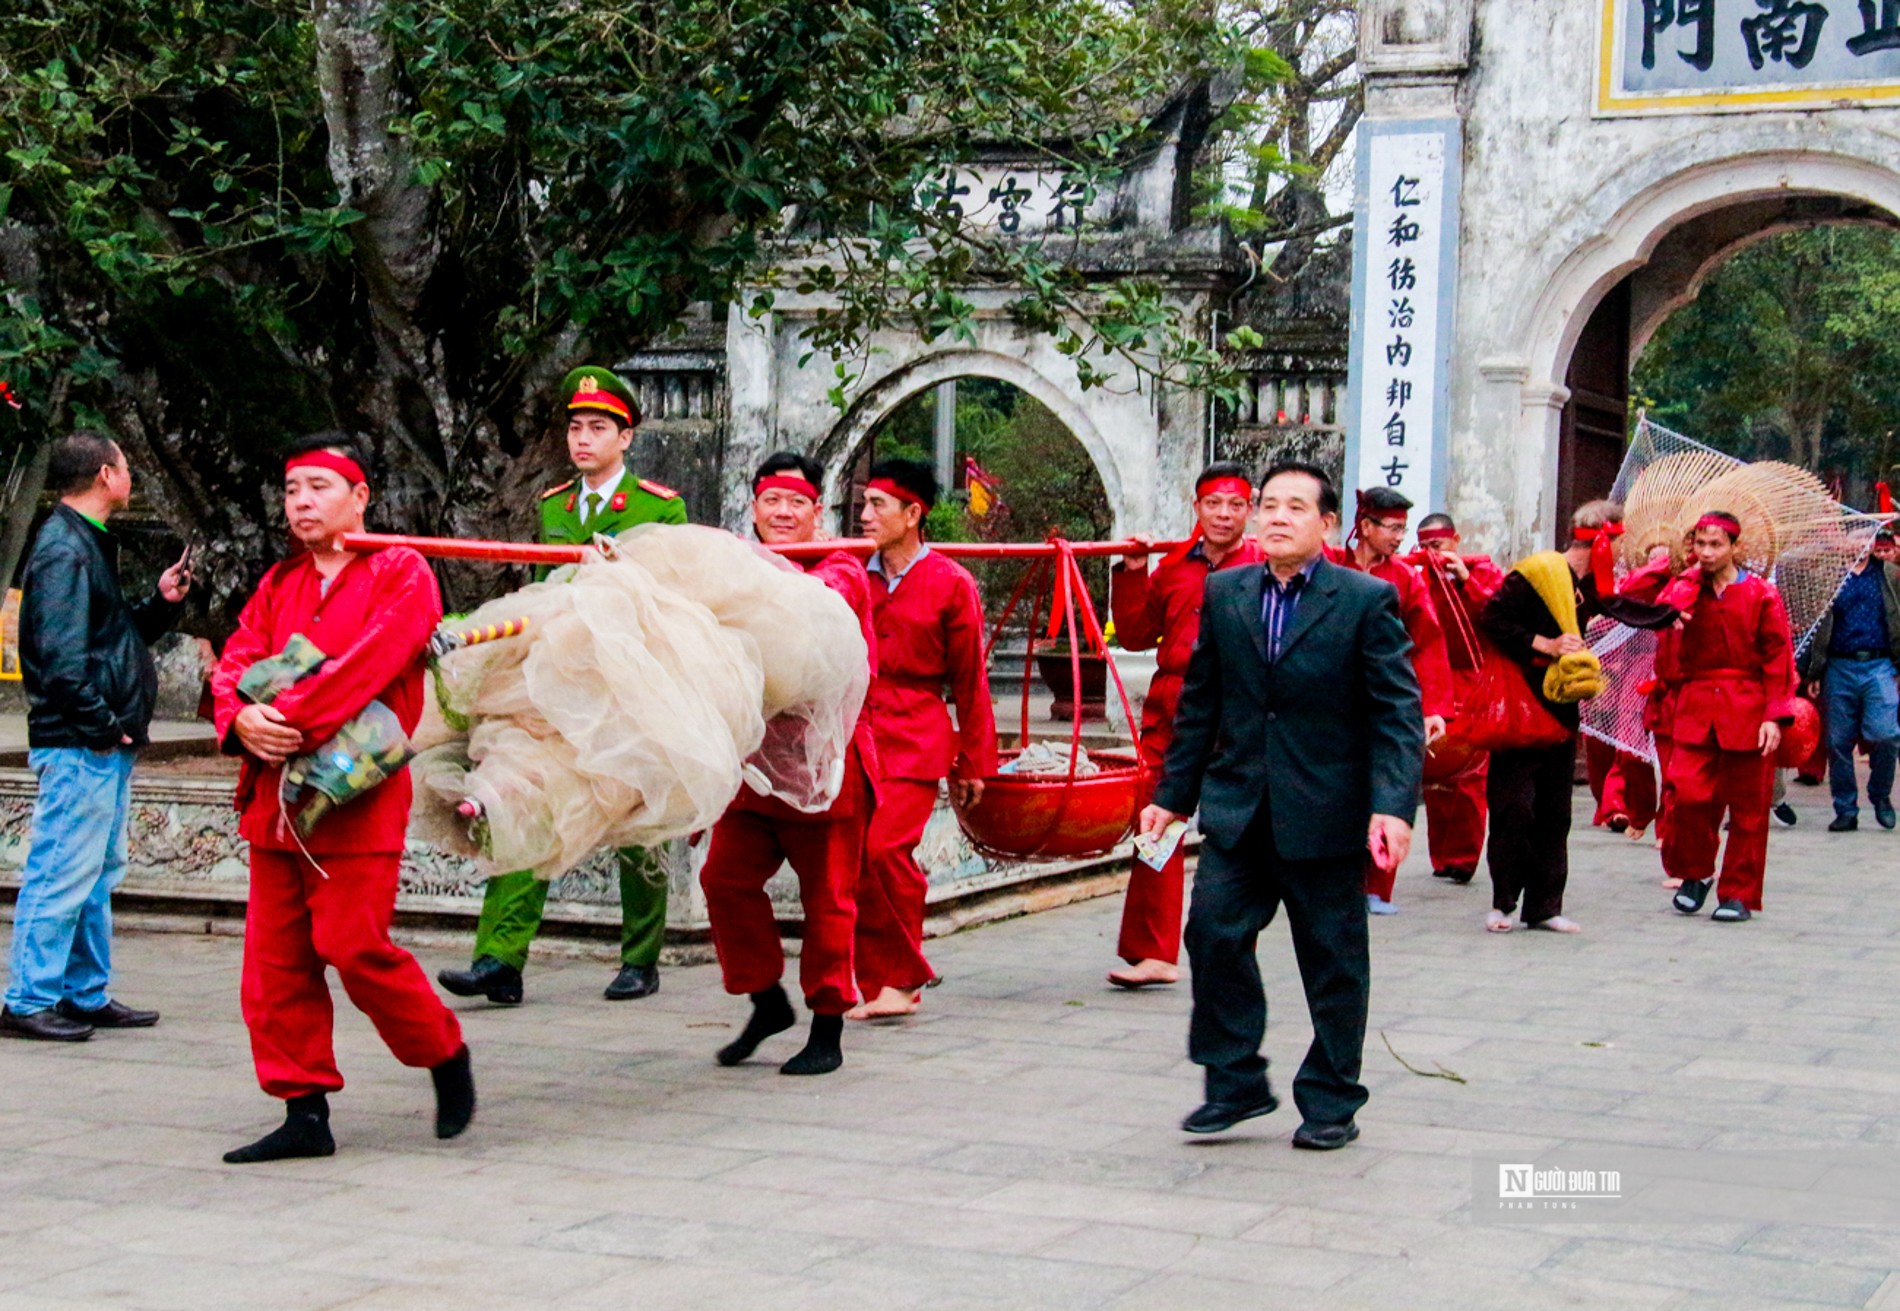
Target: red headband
column 1437, row 533
column 321, row 459
column 1602, row 542
column 1614, row 528
column 785, row 482
column 891, row 489
column 1728, row 523
column 1223, row 485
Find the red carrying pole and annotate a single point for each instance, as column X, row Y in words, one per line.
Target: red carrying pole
column 456, row 548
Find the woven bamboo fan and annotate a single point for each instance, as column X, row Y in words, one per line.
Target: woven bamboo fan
column 1654, row 511
column 1778, row 504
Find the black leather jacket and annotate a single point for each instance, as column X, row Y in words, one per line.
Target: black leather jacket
column 89, row 674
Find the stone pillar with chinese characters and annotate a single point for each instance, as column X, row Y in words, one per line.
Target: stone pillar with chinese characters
column 1405, row 247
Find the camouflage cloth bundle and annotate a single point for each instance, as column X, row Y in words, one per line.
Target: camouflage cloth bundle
column 364, row 752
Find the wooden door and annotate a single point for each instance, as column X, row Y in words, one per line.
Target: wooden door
column 1596, row 418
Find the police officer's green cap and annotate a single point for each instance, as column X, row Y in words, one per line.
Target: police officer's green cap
column 591, row 387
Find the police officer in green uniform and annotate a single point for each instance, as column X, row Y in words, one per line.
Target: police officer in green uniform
column 605, row 498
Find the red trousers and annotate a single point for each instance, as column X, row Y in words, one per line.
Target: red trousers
column 1621, row 783
column 890, row 936
column 1151, row 912
column 1630, row 791
column 299, row 922
column 826, row 851
column 1707, row 782
column 1454, row 820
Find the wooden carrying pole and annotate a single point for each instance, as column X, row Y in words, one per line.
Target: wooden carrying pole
column 456, row 548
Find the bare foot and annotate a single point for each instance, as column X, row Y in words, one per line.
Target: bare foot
column 1496, row 921
column 888, row 1004
column 1636, row 834
column 1672, row 883
column 1145, row 974
column 1558, row 924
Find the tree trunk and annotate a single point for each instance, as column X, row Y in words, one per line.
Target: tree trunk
column 23, row 499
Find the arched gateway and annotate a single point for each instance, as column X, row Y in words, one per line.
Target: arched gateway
column 1581, row 166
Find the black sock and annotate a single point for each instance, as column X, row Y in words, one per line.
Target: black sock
column 454, row 1095
column 823, row 1051
column 304, row 1132
column 771, row 1013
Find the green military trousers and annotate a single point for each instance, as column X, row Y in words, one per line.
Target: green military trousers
column 514, row 903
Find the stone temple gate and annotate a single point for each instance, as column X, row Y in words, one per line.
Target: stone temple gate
column 1540, row 183
column 1568, row 172
column 733, row 389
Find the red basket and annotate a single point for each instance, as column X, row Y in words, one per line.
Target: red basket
column 1448, row 759
column 1801, row 737
column 1054, row 817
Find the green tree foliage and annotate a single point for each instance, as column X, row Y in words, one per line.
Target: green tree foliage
column 1792, row 352
column 226, row 221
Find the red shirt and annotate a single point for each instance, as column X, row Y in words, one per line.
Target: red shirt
column 1429, row 660
column 930, row 632
column 1162, row 609
column 374, row 624
column 1728, row 668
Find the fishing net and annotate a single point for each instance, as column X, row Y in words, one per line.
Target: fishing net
column 1793, row 532
column 635, row 702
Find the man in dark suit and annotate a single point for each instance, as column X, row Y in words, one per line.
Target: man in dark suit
column 1301, row 738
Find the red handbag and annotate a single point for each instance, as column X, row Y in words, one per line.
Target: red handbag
column 1502, row 713
column 1498, row 712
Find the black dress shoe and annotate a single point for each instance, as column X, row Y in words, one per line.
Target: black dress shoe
column 1690, row 896
column 112, row 1015
column 1219, row 1117
column 1459, row 874
column 43, row 1026
column 1883, row 814
column 487, row 977
column 1843, row 824
column 1325, row 1137
column 634, row 981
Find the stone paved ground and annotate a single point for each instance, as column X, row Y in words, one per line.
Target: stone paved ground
column 1016, row 1146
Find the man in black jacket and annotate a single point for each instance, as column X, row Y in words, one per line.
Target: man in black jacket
column 90, row 685
column 1301, row 738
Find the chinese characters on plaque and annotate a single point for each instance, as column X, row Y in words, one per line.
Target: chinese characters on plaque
column 1401, row 308
column 1016, row 201
column 1742, row 54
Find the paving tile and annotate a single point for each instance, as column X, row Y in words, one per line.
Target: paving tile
column 1015, row 1144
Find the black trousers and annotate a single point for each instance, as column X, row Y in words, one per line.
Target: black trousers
column 1236, row 894
column 1529, row 795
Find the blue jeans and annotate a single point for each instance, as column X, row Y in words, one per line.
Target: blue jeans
column 62, row 925
column 1862, row 705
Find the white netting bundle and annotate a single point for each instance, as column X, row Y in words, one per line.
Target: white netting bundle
column 637, row 702
column 1793, row 531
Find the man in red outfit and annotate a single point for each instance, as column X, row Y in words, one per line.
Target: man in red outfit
column 1378, row 533
column 1460, row 584
column 929, row 634
column 1728, row 677
column 325, row 899
column 1161, row 612
column 757, row 834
